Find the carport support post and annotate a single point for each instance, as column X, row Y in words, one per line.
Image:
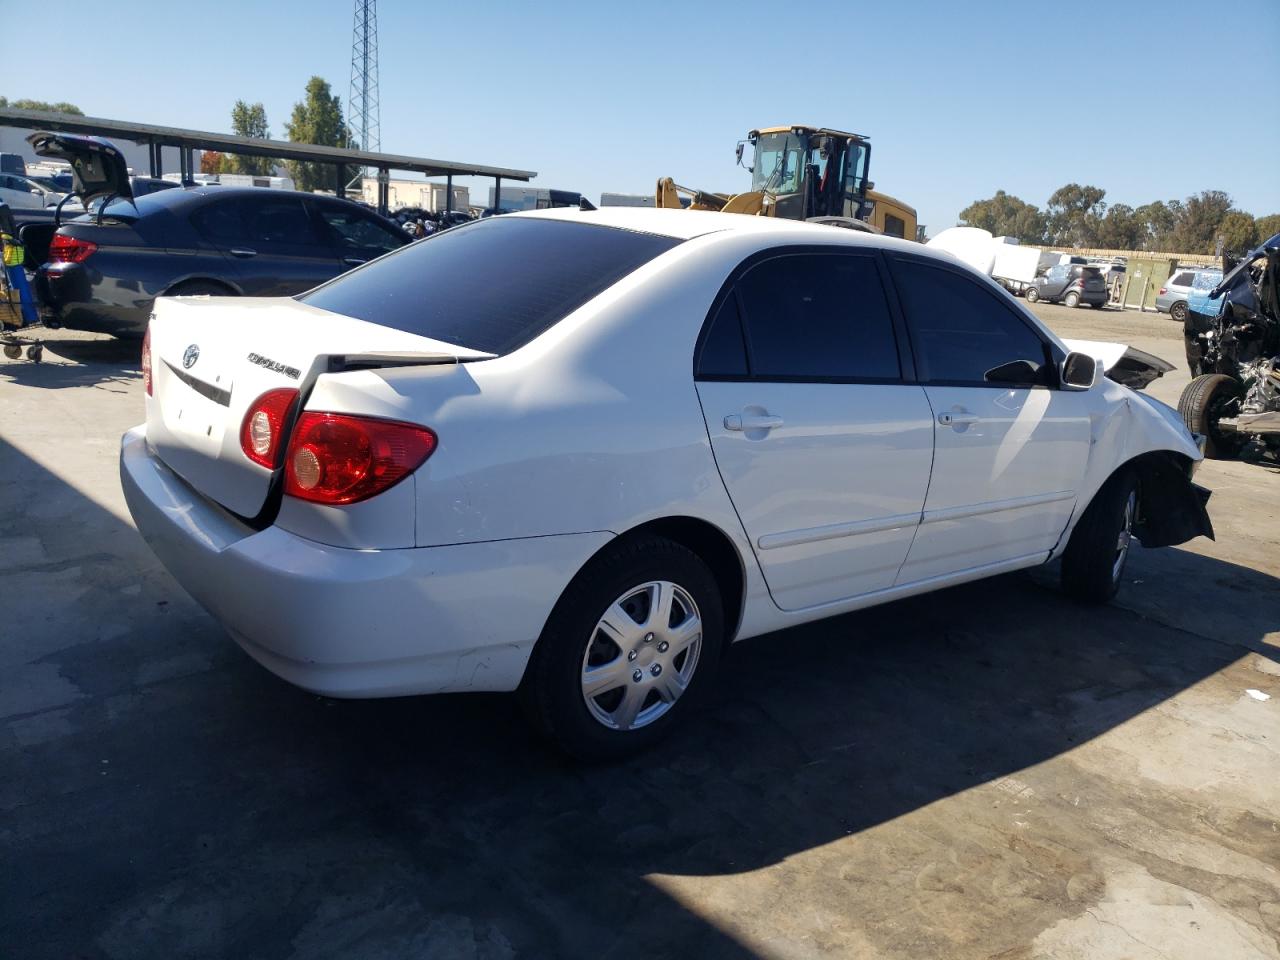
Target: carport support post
column 189, row 154
column 448, row 194
column 153, row 157
column 384, row 190
column 339, row 188
column 497, row 194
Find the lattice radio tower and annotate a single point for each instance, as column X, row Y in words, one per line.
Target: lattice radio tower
column 362, row 104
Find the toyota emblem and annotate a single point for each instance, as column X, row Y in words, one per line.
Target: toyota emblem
column 190, row 356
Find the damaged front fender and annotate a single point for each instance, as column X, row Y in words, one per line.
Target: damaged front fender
column 1173, row 509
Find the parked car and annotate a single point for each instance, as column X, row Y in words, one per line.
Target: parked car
column 105, row 269
column 1070, row 284
column 1172, row 297
column 656, row 435
column 29, row 193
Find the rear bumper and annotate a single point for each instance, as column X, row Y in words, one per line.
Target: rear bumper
column 355, row 623
column 75, row 296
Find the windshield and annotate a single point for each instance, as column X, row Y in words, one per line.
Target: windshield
column 779, row 163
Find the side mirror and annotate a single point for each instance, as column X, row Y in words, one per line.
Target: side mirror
column 1079, row 371
column 740, row 153
column 1015, row 372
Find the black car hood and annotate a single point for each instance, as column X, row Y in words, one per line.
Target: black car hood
column 98, row 169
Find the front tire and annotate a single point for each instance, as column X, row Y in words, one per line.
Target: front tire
column 1202, row 404
column 1094, row 561
column 1033, row 295
column 1072, row 300
column 632, row 643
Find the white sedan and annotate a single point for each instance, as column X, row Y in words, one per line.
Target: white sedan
column 578, row 453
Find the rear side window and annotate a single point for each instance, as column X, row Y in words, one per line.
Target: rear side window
column 960, row 330
column 1181, row 280
column 818, row 317
column 492, row 285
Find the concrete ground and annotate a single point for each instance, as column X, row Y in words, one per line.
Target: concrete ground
column 992, row 772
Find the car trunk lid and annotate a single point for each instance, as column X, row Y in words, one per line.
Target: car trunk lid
column 211, row 359
column 98, row 168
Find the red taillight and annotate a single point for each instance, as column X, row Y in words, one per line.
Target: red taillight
column 66, row 249
column 337, row 458
column 263, row 426
column 1163, row 291
column 146, row 360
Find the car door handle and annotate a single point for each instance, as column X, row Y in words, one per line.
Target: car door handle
column 749, row 422
column 243, row 252
column 957, row 419
column 353, row 261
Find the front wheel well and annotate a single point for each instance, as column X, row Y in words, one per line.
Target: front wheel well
column 1169, row 509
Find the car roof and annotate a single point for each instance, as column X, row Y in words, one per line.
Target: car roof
column 688, row 224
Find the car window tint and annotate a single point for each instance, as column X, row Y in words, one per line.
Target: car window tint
column 723, row 353
column 1182, row 280
column 959, row 330
column 818, row 316
column 352, row 230
column 219, row 222
column 282, row 220
column 492, row 285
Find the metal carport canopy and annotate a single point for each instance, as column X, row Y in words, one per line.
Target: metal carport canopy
column 249, row 146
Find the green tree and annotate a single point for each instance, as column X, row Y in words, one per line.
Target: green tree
column 316, row 119
column 1120, row 229
column 1156, row 222
column 1238, row 232
column 1201, row 217
column 60, row 107
column 1268, row 226
column 1074, row 212
column 248, row 120
column 1005, row 215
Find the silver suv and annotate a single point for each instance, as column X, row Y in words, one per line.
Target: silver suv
column 1172, row 298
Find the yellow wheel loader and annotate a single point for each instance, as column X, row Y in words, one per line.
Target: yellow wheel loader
column 804, row 173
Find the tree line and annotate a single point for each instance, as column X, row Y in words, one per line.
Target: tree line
column 1079, row 216
column 316, row 118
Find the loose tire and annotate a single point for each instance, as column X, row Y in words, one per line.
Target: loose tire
column 1072, row 300
column 632, row 643
column 1202, row 404
column 1178, row 311
column 1033, row 295
column 1094, row 560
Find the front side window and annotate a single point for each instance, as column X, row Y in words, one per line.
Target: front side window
column 491, row 285
column 353, row 230
column 962, row 332
column 818, row 317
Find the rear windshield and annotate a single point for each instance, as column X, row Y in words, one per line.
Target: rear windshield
column 492, row 285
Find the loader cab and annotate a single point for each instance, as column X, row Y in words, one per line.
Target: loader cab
column 810, row 171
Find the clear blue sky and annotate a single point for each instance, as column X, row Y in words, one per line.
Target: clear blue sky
column 1149, row 100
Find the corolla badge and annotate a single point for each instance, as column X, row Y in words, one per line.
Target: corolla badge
column 190, row 356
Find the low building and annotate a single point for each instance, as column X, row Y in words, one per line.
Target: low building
column 423, row 194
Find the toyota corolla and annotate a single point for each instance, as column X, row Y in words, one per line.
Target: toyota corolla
column 576, row 454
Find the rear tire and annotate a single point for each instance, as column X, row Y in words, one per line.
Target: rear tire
column 1072, row 300
column 200, row 288
column 1097, row 306
column 1201, row 405
column 1033, row 295
column 620, row 588
column 1094, row 561
column 1178, row 311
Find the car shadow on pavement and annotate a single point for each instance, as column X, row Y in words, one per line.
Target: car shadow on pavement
column 164, row 796
column 71, row 361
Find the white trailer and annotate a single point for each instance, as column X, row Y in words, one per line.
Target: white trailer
column 1002, row 258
